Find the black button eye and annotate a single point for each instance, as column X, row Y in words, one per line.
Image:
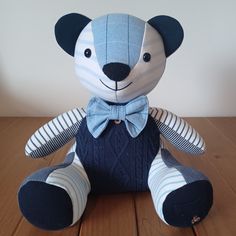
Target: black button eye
column 146, row 57
column 87, row 52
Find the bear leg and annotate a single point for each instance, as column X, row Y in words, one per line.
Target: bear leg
column 182, row 196
column 55, row 197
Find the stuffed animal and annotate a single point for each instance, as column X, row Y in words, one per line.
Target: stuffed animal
column 119, row 58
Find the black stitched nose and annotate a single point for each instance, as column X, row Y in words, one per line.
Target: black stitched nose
column 116, row 71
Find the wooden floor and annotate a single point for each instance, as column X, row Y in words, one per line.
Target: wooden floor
column 124, row 214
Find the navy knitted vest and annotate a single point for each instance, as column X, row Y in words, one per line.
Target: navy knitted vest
column 116, row 162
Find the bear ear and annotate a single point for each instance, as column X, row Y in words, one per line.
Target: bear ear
column 170, row 30
column 68, row 29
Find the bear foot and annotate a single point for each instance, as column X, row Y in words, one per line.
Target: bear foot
column 46, row 206
column 189, row 204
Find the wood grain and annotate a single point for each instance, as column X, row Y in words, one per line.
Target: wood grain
column 227, row 127
column 5, row 122
column 221, row 150
column 25, row 229
column 109, row 215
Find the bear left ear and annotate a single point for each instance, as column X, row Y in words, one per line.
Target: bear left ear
column 170, row 30
column 68, row 29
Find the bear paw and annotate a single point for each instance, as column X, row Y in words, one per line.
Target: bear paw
column 189, row 204
column 46, row 206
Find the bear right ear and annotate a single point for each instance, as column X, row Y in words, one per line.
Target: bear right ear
column 68, row 29
column 170, row 30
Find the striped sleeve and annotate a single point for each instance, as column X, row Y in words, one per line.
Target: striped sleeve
column 54, row 134
column 178, row 132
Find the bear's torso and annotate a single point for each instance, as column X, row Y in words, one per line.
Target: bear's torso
column 116, row 162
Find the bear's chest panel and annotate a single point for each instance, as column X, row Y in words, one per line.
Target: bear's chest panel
column 116, row 162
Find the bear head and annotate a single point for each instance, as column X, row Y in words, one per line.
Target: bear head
column 119, row 57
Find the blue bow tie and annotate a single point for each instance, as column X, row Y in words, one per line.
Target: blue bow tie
column 134, row 114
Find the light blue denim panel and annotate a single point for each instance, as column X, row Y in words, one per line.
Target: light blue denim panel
column 136, row 35
column 41, row 175
column 118, row 38
column 99, row 27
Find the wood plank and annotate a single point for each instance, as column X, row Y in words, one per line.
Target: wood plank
column 5, row 122
column 149, row 224
column 227, row 126
column 222, row 150
column 221, row 220
column 23, row 230
column 108, row 215
column 14, row 167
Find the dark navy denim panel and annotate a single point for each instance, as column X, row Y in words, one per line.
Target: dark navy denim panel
column 42, row 174
column 46, row 206
column 190, row 174
column 116, row 162
column 187, row 203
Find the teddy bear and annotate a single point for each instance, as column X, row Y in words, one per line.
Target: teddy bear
column 118, row 137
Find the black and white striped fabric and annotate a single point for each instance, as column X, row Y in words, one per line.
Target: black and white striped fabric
column 55, row 133
column 178, row 132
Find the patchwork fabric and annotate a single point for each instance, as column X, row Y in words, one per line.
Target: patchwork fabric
column 162, row 180
column 118, row 38
column 143, row 77
column 120, row 59
column 167, row 175
column 190, row 175
column 55, row 133
column 178, row 132
column 69, row 176
column 116, row 162
column 73, row 179
column 42, row 174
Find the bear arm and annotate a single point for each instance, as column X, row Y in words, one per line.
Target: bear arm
column 178, row 132
column 54, row 134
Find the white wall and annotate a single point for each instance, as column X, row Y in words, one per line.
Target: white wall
column 37, row 78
